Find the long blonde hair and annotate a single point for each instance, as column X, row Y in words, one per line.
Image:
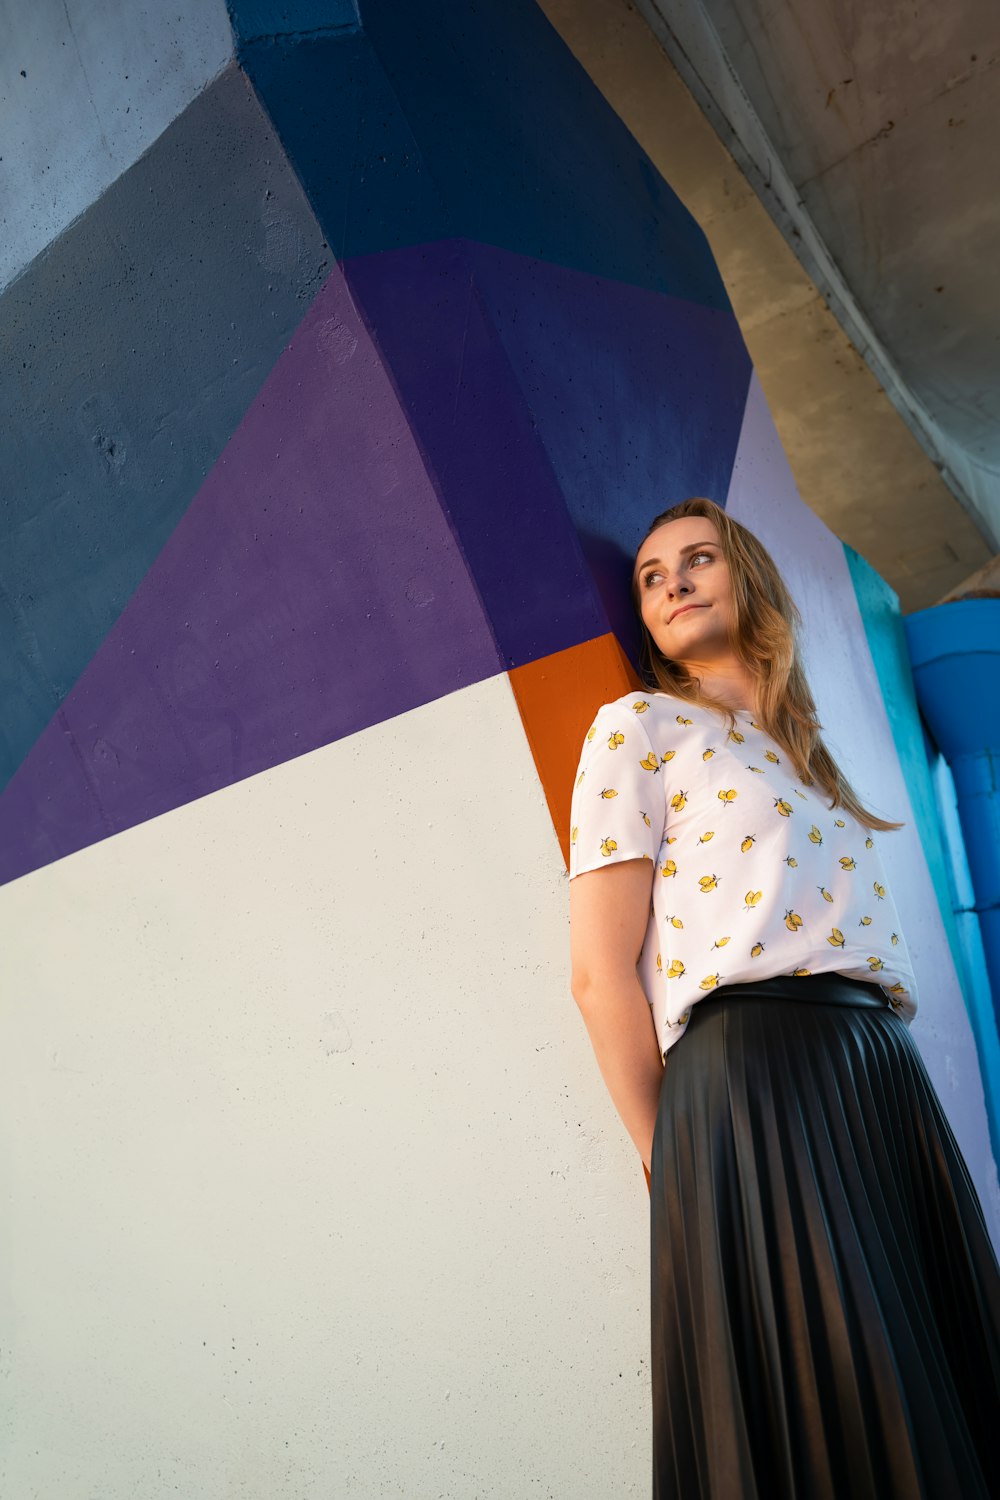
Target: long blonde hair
column 764, row 637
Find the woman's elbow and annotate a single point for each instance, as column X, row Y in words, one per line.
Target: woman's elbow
column 581, row 984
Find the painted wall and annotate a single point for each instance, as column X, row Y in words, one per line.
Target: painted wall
column 337, row 417
column 87, row 88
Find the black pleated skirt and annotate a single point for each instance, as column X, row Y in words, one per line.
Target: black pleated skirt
column 825, row 1297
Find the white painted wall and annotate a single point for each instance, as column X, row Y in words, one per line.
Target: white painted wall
column 314, row 1186
column 102, row 79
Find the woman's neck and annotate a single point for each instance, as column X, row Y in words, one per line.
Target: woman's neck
column 730, row 687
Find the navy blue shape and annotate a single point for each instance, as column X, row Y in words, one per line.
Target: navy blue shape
column 482, row 446
column 450, row 118
column 638, row 400
column 252, row 19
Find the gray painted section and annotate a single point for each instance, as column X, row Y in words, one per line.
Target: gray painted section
column 869, row 135
column 133, row 348
column 87, row 87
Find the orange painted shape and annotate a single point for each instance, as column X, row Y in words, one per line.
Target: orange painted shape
column 557, row 697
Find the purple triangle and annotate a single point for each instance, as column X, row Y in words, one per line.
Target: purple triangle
column 312, row 588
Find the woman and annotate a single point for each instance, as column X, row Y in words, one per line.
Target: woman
column 825, row 1298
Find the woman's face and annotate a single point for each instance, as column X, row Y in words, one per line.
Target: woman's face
column 684, row 589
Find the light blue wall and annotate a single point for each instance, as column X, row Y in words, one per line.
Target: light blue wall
column 88, row 86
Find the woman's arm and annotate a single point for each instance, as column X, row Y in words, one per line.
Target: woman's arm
column 609, row 912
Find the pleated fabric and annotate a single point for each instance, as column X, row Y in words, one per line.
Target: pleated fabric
column 825, row 1297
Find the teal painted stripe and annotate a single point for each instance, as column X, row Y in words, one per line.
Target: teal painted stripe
column 883, row 622
column 886, row 637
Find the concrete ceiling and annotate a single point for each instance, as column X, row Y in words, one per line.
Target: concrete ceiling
column 857, row 228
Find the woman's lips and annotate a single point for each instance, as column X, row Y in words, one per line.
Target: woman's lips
column 682, row 610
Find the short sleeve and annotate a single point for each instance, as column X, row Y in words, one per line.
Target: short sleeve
column 619, row 807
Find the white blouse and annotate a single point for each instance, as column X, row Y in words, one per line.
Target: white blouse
column 755, row 875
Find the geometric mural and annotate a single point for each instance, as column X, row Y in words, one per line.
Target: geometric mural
column 335, row 419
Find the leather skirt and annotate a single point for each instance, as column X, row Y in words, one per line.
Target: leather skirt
column 825, row 1297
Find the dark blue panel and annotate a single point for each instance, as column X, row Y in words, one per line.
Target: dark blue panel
column 341, row 125
column 132, row 349
column 454, row 118
column 256, row 18
column 483, row 447
column 637, row 398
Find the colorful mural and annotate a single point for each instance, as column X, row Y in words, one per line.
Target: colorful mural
column 336, row 416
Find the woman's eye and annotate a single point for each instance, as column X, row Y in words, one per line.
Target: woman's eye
column 649, row 578
column 702, row 554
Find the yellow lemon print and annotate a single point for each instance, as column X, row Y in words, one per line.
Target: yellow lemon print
column 875, row 963
column 678, row 801
column 836, row 938
column 707, row 754
column 672, row 839
column 608, row 793
column 839, row 823
column 659, row 963
column 824, row 893
column 879, row 890
column 669, row 868
column 726, row 796
column 650, row 762
column 757, row 769
column 869, row 843
column 614, row 740
column 747, row 843
column 668, row 755
column 645, row 819
column 800, row 973
column 756, row 950
column 675, row 922
column 608, row 847
column 893, row 937
column 681, row 720
column 897, row 988
column 770, row 755
column 751, row 899
column 791, row 862
column 754, row 724
column 706, row 837
column 676, row 969
column 846, row 862
column 785, row 808
column 684, row 1019
column 591, row 732
column 720, row 942
column 793, row 921
column 573, row 834
column 736, row 737
column 865, row 922
column 640, row 706
column 801, row 794
column 815, row 837
column 710, row 981
column 580, row 777
column 708, row 883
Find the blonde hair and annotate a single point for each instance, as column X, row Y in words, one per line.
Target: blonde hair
column 764, row 637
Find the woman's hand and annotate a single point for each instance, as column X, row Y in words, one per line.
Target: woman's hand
column 609, row 913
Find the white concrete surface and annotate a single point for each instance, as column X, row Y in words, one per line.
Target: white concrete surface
column 312, row 1185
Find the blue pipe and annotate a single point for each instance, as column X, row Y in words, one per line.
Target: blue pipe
column 955, row 653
